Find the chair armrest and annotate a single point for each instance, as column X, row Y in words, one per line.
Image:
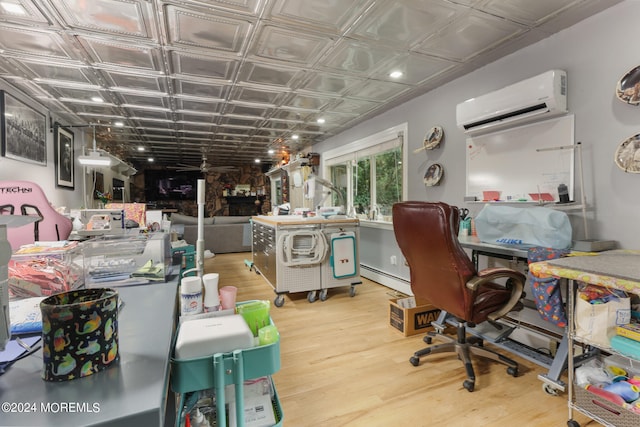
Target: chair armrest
column 490, row 275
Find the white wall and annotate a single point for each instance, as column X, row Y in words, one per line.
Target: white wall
column 595, row 53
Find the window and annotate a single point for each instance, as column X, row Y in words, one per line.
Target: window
column 370, row 173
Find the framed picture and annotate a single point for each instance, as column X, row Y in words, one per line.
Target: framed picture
column 24, row 131
column 64, row 156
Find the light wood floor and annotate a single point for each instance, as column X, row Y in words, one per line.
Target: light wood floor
column 343, row 365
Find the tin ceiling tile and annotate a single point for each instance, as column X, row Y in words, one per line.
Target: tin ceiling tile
column 333, row 15
column 212, row 67
column 416, row 68
column 357, row 57
column 470, row 35
column 20, row 41
column 22, row 11
column 116, row 53
column 269, row 74
column 404, row 23
column 262, row 98
column 290, row 45
column 46, row 71
column 358, row 106
column 376, row 90
column 527, row 12
column 123, row 17
column 335, row 84
column 147, row 82
column 203, row 30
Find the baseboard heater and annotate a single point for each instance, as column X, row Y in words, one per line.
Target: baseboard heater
column 385, row 278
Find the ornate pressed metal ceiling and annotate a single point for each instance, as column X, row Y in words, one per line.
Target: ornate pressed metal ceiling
column 240, row 77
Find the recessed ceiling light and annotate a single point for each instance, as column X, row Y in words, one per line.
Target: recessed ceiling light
column 321, row 120
column 150, row 159
column 271, row 151
column 257, row 160
column 13, row 8
column 294, row 136
column 118, row 124
column 395, row 74
column 97, row 99
column 141, row 148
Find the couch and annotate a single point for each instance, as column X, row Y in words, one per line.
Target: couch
column 222, row 234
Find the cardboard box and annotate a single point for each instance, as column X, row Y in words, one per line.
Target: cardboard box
column 413, row 320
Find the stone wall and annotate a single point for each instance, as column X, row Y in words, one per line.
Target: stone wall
column 216, row 184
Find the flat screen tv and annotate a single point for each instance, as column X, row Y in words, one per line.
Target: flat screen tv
column 169, row 185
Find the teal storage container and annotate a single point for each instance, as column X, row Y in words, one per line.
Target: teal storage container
column 221, row 369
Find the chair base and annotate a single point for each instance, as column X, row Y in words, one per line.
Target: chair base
column 463, row 347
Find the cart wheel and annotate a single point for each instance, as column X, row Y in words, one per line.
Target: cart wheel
column 415, row 361
column 352, row 291
column 279, row 301
column 512, row 371
column 311, row 296
column 549, row 389
column 573, row 423
column 323, row 295
column 469, row 385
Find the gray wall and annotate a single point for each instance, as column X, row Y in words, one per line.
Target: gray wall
column 595, row 53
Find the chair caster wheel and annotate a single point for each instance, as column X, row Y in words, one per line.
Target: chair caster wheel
column 469, row 385
column 415, row 361
column 512, row 371
column 427, row 339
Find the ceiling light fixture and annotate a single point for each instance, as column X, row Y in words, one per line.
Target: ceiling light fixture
column 396, row 74
column 141, row 148
column 257, row 160
column 294, row 136
column 150, row 159
column 271, row 151
column 321, row 120
column 118, row 124
column 95, row 157
column 97, row 99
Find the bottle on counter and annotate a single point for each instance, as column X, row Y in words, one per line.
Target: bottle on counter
column 190, row 295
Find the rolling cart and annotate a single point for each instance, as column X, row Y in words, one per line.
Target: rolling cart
column 221, row 369
column 595, row 270
column 342, row 265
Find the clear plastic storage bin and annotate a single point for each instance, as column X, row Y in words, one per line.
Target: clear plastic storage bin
column 45, row 269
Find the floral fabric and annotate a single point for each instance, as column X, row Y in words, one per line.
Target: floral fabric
column 545, row 288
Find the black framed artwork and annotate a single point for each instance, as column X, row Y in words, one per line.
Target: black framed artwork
column 64, row 156
column 24, row 131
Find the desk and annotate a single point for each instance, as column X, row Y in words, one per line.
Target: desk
column 619, row 269
column 133, row 393
column 487, row 249
column 528, row 318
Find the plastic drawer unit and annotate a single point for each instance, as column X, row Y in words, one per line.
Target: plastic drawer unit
column 221, row 369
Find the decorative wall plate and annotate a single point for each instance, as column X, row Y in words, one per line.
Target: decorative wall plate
column 432, row 138
column 628, row 87
column 433, row 175
column 627, row 155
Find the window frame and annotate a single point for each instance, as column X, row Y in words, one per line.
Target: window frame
column 370, row 146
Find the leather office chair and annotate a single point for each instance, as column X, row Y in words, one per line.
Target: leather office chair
column 443, row 274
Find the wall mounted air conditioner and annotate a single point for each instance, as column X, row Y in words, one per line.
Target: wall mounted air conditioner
column 537, row 98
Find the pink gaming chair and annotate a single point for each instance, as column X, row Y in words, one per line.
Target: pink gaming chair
column 27, row 198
